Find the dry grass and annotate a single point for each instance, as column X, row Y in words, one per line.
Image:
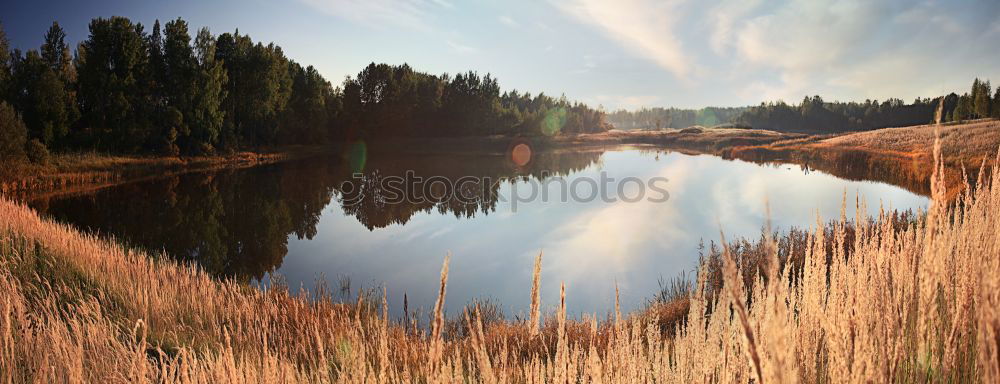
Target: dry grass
column 899, row 156
column 873, row 301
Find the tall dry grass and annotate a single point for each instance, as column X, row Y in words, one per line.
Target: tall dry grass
column 875, row 300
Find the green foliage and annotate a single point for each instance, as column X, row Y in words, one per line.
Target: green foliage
column 814, row 115
column 660, row 118
column 207, row 116
column 995, row 109
column 259, row 88
column 13, row 134
column 5, row 65
column 164, row 92
column 963, row 109
column 40, row 95
column 307, row 115
column 396, row 101
column 115, row 85
column 981, row 101
column 191, row 83
column 37, row 152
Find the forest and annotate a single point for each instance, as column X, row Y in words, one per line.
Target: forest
column 815, row 115
column 166, row 92
column 660, row 118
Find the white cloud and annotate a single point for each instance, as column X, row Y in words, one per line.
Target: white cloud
column 412, row 14
column 841, row 49
column 645, row 27
column 722, row 19
column 854, row 49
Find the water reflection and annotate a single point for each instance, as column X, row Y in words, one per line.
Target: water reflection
column 366, row 199
column 301, row 220
column 238, row 223
column 232, row 223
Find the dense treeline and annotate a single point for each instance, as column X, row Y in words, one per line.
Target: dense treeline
column 659, row 118
column 816, row 115
column 166, row 92
column 389, row 100
column 976, row 104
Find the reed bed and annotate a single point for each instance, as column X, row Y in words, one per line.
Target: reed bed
column 864, row 300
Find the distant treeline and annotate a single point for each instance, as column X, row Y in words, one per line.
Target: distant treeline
column 659, row 118
column 816, row 115
column 128, row 91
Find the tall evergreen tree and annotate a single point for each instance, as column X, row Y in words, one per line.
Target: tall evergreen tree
column 163, row 130
column 207, row 115
column 258, row 89
column 996, row 104
column 57, row 55
column 5, row 66
column 114, row 83
column 305, row 118
column 982, row 100
column 179, row 73
column 963, row 110
column 40, row 95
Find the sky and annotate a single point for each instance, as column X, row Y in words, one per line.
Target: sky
column 615, row 54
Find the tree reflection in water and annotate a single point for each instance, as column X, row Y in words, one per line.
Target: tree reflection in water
column 236, row 223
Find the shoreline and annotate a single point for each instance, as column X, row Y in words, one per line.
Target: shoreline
column 880, row 155
column 899, row 156
column 72, row 173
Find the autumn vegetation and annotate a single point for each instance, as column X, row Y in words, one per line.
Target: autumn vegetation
column 892, row 299
column 895, row 298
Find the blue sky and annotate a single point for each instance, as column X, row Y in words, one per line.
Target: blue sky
column 619, row 54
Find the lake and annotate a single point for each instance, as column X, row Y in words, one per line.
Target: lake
column 390, row 217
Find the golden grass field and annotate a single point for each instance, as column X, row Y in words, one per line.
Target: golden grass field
column 879, row 300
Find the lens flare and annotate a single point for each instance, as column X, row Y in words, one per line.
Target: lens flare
column 553, row 121
column 521, row 154
column 357, row 155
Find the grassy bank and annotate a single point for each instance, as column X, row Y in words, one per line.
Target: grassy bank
column 884, row 300
column 899, row 156
column 77, row 172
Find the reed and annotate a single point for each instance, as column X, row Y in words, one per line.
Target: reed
column 536, row 298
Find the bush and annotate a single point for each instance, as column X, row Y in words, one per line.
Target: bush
column 37, row 152
column 13, row 134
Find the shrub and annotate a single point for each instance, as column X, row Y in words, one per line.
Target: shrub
column 37, row 152
column 13, row 134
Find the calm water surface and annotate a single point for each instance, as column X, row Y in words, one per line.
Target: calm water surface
column 301, row 221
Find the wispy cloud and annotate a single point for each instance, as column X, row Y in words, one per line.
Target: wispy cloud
column 411, row 14
column 854, row 48
column 784, row 49
column 625, row 101
column 645, row 27
column 462, row 48
column 508, row 21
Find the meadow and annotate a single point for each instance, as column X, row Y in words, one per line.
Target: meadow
column 888, row 299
